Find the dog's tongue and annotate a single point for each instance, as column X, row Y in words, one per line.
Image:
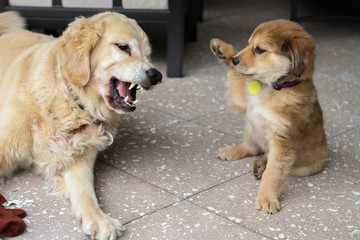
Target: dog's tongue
column 124, row 91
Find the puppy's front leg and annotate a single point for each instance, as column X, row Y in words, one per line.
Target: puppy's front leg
column 280, row 160
column 80, row 189
column 248, row 148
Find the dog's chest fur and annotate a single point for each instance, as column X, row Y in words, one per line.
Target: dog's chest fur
column 262, row 117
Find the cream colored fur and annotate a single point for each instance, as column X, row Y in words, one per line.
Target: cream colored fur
column 42, row 127
column 10, row 22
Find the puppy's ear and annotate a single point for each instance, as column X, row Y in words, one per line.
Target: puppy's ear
column 77, row 41
column 301, row 52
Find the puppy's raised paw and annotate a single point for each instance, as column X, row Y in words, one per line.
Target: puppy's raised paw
column 221, row 49
column 215, row 46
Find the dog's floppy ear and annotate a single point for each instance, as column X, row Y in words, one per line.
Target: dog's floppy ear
column 77, row 41
column 301, row 52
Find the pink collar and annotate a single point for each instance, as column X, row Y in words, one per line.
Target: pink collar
column 71, row 90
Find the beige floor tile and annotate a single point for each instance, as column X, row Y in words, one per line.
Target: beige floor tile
column 180, row 159
column 189, row 97
column 125, row 197
column 47, row 217
column 323, row 206
column 186, row 221
column 121, row 196
column 228, row 121
column 344, row 154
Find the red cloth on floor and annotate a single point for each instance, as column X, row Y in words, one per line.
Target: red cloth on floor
column 11, row 223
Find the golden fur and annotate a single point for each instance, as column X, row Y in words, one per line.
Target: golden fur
column 285, row 125
column 41, row 125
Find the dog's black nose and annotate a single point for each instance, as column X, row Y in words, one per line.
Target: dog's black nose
column 235, row 61
column 154, row 76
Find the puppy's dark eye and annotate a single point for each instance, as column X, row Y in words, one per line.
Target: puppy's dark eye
column 124, row 47
column 259, row 50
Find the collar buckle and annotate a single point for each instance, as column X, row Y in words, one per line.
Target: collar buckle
column 276, row 86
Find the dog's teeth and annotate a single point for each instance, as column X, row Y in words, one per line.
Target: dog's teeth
column 126, row 99
column 138, row 87
column 135, row 102
column 132, row 86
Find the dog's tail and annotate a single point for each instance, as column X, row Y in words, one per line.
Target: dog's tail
column 11, row 22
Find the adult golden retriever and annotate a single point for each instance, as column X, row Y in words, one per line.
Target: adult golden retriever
column 61, row 99
column 271, row 82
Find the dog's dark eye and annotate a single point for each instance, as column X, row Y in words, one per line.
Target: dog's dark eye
column 259, row 50
column 124, row 47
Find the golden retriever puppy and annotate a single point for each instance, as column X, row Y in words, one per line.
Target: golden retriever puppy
column 61, row 99
column 271, row 82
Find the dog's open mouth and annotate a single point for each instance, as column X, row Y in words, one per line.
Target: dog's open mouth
column 124, row 94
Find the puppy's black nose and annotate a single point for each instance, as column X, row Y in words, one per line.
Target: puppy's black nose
column 235, row 61
column 154, row 76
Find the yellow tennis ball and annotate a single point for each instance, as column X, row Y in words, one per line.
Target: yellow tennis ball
column 255, row 87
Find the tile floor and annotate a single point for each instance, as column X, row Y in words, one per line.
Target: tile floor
column 162, row 178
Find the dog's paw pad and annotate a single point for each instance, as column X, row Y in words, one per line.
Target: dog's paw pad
column 218, row 52
column 216, row 49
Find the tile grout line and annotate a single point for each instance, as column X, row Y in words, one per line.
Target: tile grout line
column 193, row 120
column 185, row 199
column 178, row 199
column 218, row 130
column 181, row 118
column 216, row 185
column 344, row 132
column 142, row 180
column 228, row 220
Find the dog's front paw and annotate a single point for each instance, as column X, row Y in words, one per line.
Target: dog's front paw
column 267, row 205
column 228, row 153
column 101, row 227
column 234, row 152
column 216, row 46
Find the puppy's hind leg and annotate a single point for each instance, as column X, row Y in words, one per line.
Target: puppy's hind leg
column 79, row 186
column 223, row 51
